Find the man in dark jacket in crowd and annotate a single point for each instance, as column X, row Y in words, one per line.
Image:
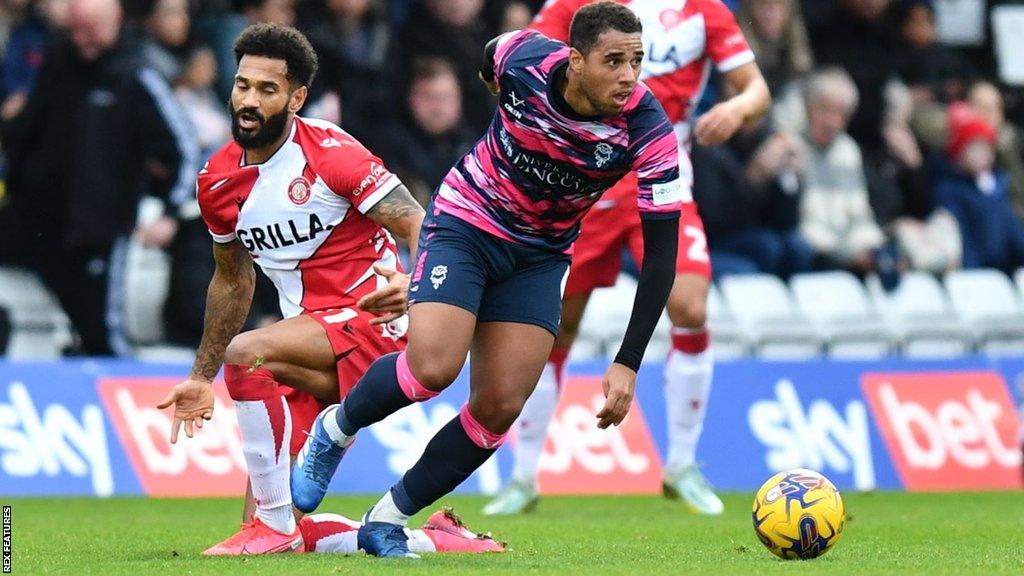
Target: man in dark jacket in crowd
column 98, row 130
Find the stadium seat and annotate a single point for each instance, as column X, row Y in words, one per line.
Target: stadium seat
column 986, row 300
column 40, row 329
column 764, row 310
column 726, row 336
column 838, row 304
column 919, row 313
column 147, row 279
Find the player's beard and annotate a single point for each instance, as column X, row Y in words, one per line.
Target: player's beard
column 270, row 129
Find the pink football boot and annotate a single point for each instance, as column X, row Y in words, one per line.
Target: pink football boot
column 257, row 538
column 449, row 534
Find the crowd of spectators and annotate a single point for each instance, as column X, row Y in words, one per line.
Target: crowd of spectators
column 887, row 148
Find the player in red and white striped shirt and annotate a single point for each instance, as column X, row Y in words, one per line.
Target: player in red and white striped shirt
column 682, row 40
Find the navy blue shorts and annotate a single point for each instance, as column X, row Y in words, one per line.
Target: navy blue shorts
column 496, row 280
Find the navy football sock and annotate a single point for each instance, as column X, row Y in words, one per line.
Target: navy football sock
column 450, row 457
column 377, row 395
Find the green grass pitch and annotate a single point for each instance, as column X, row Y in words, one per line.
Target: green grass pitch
column 886, row 533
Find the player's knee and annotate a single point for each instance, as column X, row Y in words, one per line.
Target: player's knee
column 247, row 348
column 433, row 373
column 688, row 311
column 497, row 415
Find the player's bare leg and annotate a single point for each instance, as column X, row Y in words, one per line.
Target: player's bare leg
column 520, row 494
column 296, row 352
column 688, row 372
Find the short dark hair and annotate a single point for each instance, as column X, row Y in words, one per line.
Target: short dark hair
column 280, row 43
column 593, row 19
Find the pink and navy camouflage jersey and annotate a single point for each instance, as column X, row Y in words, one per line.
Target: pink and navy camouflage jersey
column 540, row 166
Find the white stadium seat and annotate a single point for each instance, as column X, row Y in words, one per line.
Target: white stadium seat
column 764, row 310
column 987, row 301
column 726, row 337
column 146, row 282
column 839, row 306
column 920, row 313
column 40, row 329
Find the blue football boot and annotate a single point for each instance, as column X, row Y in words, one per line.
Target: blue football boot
column 316, row 463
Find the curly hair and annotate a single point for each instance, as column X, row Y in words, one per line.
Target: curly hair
column 593, row 19
column 280, row 43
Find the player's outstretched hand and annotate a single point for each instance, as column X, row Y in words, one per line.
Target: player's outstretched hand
column 619, row 384
column 193, row 403
column 391, row 301
column 718, row 124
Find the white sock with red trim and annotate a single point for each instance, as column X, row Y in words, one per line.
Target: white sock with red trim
column 531, row 428
column 266, row 427
column 688, row 374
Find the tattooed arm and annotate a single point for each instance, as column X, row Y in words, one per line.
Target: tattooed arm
column 227, row 305
column 402, row 215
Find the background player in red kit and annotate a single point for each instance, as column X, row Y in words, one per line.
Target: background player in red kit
column 314, row 209
column 681, row 38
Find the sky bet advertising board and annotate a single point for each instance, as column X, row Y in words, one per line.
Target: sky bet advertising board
column 91, row 428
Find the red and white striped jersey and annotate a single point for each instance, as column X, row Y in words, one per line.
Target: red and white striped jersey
column 301, row 214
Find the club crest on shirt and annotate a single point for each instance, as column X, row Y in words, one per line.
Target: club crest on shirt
column 299, row 191
column 602, row 154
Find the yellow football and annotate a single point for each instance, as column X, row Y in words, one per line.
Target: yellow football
column 798, row 514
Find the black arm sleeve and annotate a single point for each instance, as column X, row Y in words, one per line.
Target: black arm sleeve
column 656, row 276
column 487, row 66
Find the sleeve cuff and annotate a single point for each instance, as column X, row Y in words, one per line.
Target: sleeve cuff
column 223, row 238
column 383, row 190
column 735, row 61
column 673, row 215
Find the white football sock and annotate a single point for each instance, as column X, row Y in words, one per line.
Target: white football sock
column 386, row 511
column 531, row 428
column 331, row 427
column 268, row 460
column 687, row 386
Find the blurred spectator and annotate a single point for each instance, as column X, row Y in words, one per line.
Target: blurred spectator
column 986, row 100
column 97, row 130
column 776, row 33
column 932, row 71
column 268, row 11
column 352, row 39
column 166, row 46
column 748, row 193
column 896, row 176
column 425, row 143
column 194, row 89
column 976, row 193
column 858, row 37
column 835, row 215
column 31, row 24
column 508, row 15
column 453, row 30
column 931, row 121
column 218, row 27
